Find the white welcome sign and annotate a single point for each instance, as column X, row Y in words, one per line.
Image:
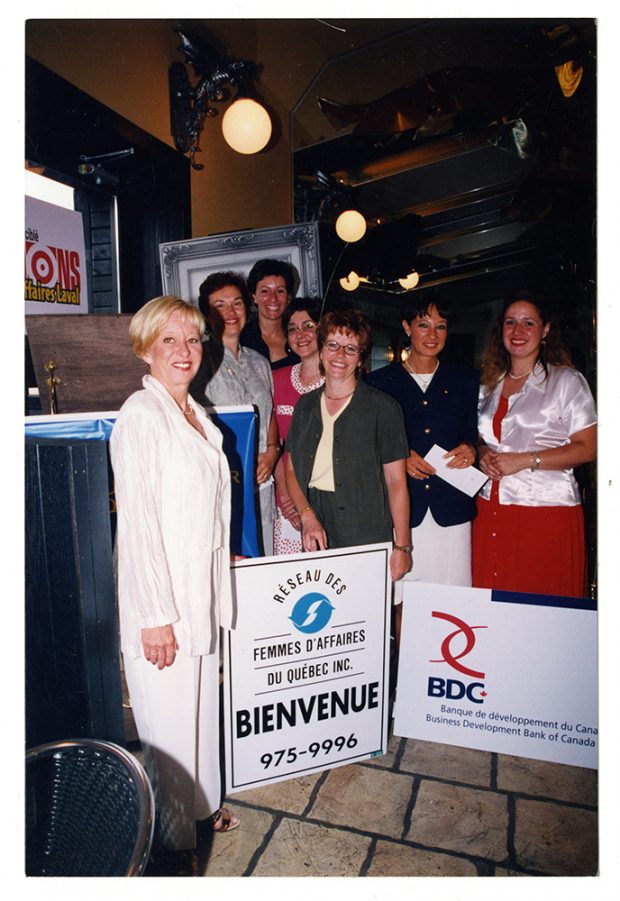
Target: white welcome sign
column 499, row 671
column 306, row 668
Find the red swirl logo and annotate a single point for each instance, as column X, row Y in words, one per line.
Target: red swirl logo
column 470, row 640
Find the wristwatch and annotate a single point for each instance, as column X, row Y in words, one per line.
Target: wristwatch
column 407, row 548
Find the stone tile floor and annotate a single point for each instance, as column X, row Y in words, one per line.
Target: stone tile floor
column 423, row 809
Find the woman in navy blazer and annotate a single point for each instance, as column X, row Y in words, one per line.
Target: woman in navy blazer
column 439, row 401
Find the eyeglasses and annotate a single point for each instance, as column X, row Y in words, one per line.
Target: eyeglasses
column 334, row 346
column 307, row 326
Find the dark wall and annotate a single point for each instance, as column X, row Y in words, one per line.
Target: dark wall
column 151, row 185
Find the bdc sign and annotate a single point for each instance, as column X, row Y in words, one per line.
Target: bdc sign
column 307, row 664
column 496, row 671
column 455, row 689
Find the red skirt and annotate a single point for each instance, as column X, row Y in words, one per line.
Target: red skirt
column 538, row 550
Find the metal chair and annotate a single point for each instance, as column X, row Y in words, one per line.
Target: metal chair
column 89, row 810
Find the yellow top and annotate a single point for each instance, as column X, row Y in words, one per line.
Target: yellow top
column 323, row 470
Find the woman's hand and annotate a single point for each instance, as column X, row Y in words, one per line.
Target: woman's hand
column 313, row 536
column 417, row 467
column 498, row 464
column 266, row 464
column 400, row 564
column 159, row 645
column 487, row 461
column 508, row 463
column 289, row 511
column 462, row 455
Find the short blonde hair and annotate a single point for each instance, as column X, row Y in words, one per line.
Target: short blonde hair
column 146, row 324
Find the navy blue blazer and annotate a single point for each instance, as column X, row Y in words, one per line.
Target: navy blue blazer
column 447, row 415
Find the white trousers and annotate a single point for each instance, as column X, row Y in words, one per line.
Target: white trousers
column 176, row 711
column 441, row 554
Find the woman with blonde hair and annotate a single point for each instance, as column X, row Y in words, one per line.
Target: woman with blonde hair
column 536, row 423
column 172, row 486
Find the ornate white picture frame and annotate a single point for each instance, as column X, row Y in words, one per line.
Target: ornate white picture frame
column 185, row 264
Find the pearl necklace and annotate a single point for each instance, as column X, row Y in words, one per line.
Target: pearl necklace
column 522, row 376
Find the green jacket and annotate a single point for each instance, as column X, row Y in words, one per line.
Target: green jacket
column 369, row 433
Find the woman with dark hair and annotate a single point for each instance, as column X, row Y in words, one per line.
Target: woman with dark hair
column 271, row 284
column 300, row 322
column 439, row 402
column 537, row 421
column 236, row 375
column 347, row 449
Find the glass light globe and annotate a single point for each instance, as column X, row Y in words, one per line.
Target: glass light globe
column 350, row 226
column 350, row 282
column 246, row 126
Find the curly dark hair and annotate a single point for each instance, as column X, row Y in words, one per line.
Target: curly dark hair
column 300, row 304
column 262, row 268
column 496, row 359
column 215, row 282
column 351, row 322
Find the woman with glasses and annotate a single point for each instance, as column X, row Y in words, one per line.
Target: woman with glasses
column 347, row 450
column 300, row 321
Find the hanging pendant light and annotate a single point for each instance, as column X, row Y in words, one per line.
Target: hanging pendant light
column 350, row 226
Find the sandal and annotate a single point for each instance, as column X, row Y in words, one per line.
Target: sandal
column 228, row 820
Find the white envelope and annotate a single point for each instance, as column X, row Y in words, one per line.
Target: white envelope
column 469, row 480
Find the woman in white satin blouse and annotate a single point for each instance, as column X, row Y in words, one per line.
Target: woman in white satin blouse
column 537, row 422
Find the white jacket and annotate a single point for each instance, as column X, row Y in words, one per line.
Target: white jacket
column 173, row 502
column 544, row 414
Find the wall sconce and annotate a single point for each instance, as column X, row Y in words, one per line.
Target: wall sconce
column 246, row 124
column 352, row 281
column 410, row 281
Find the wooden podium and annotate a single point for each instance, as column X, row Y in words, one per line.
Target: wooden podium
column 92, row 358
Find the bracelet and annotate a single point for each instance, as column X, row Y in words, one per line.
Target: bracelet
column 406, row 548
column 303, row 509
column 535, row 460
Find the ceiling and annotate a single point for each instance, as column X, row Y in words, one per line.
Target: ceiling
column 457, row 143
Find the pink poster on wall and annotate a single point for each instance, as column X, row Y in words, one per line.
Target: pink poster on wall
column 55, row 270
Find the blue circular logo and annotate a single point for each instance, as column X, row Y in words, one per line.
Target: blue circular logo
column 311, row 613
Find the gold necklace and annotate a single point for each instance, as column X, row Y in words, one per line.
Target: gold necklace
column 341, row 397
column 419, row 375
column 189, row 410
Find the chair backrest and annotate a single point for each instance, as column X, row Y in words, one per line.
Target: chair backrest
column 89, row 810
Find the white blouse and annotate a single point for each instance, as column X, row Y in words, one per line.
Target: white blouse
column 172, row 492
column 544, row 414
